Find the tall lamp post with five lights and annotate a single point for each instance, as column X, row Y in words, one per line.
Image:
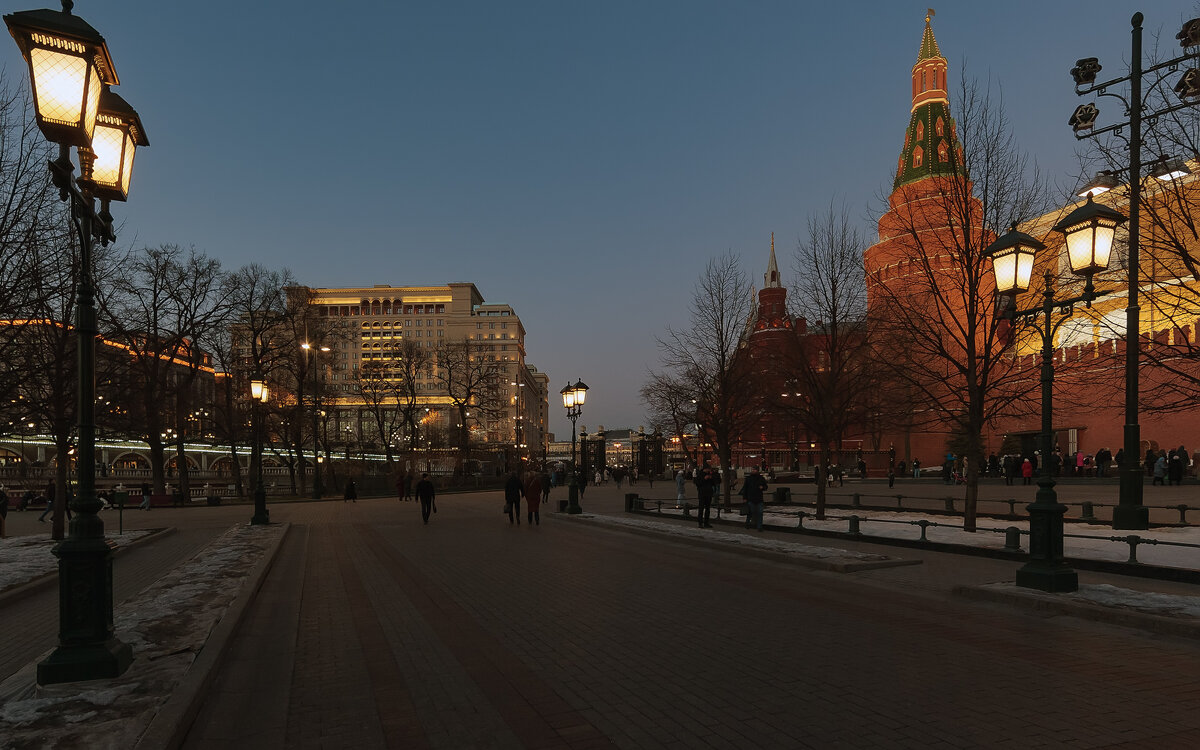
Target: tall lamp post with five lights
column 70, row 70
column 1089, row 234
column 573, row 397
column 1130, row 512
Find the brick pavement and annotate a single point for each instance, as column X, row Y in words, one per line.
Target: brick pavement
column 472, row 633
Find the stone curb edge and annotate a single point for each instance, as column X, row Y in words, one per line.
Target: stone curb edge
column 793, row 559
column 1050, row 603
column 170, row 725
column 34, row 585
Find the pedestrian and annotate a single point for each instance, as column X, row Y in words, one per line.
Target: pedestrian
column 680, row 483
column 426, row 495
column 752, row 492
column 1174, row 469
column 1160, row 470
column 1151, row 457
column 902, row 468
column 400, row 487
column 1185, row 459
column 533, row 498
column 512, row 498
column 351, row 493
column 891, row 476
column 145, row 496
column 706, row 482
column 409, row 477
column 1027, row 472
column 546, row 486
column 916, row 468
column 1120, row 458
column 49, row 502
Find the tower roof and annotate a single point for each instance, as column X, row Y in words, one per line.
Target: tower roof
column 929, row 45
column 771, row 277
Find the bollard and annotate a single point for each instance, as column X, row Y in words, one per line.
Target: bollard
column 1012, row 539
column 1133, row 540
column 924, row 525
column 853, row 528
column 1087, row 513
column 800, row 519
column 660, row 507
column 1012, row 508
column 787, row 495
column 630, row 501
column 900, row 501
column 950, row 504
column 687, row 513
column 1183, row 509
column 855, row 500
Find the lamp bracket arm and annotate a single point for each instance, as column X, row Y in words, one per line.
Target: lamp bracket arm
column 1115, row 128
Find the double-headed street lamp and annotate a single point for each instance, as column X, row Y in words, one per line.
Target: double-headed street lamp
column 260, row 393
column 70, row 70
column 1089, row 232
column 1130, row 512
column 573, row 397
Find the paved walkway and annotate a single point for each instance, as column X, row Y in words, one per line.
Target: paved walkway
column 375, row 631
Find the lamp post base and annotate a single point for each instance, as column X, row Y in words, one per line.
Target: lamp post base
column 261, row 514
column 95, row 661
column 1131, row 517
column 573, row 498
column 1054, row 579
column 1046, row 569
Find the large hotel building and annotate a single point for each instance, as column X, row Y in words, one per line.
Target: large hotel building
column 369, row 323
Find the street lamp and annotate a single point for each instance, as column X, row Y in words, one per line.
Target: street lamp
column 1089, row 233
column 259, row 394
column 518, row 402
column 317, row 489
column 70, row 70
column 573, row 397
column 1130, row 512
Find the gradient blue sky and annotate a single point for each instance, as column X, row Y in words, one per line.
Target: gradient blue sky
column 579, row 160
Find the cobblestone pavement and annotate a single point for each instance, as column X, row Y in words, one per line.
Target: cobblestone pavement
column 373, row 631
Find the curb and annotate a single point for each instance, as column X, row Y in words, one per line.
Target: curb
column 1056, row 604
column 35, row 585
column 170, row 725
column 797, row 559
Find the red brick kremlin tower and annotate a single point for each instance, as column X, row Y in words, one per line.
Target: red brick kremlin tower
column 772, row 326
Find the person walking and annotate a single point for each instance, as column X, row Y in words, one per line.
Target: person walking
column 680, row 484
column 1174, row 468
column 512, row 498
column 49, row 502
column 1159, row 469
column 1026, row 472
column 351, row 493
column 426, row 495
column 752, row 491
column 145, row 496
column 533, row 498
column 409, row 476
column 706, row 482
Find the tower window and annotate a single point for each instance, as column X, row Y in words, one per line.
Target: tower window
column 918, row 157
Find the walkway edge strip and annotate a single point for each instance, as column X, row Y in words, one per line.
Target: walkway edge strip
column 170, row 725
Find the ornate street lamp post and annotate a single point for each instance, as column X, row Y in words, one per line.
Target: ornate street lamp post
column 70, row 70
column 1089, row 234
column 573, row 397
column 1130, row 512
column 317, row 489
column 260, row 393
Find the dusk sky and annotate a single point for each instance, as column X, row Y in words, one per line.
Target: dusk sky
column 580, row 161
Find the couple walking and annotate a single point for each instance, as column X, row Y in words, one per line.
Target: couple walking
column 533, row 489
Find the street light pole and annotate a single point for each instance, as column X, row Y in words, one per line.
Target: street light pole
column 259, row 394
column 573, row 398
column 70, row 71
column 1130, row 512
column 1089, row 231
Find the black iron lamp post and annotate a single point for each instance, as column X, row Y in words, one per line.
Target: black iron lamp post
column 260, row 393
column 573, row 397
column 70, row 71
column 1089, row 234
column 317, row 489
column 518, row 409
column 1130, row 512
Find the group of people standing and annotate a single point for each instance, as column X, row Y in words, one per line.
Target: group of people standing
column 708, row 482
column 1168, row 467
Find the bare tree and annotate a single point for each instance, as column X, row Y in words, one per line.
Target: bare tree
column 671, row 408
column 828, row 376
column 938, row 326
column 471, row 379
column 703, row 358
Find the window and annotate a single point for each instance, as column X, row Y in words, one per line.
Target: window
column 918, row 157
column 491, row 325
column 440, row 321
column 504, row 325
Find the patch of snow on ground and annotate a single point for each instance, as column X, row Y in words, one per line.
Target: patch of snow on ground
column 24, row 558
column 167, row 625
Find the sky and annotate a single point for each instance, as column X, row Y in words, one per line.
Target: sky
column 581, row 161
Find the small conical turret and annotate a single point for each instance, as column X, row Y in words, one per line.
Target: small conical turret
column 771, row 277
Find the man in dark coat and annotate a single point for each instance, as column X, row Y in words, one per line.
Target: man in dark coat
column 425, row 494
column 512, row 498
column 752, row 491
column 706, row 483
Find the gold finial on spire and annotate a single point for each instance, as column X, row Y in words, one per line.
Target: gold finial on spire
column 929, row 14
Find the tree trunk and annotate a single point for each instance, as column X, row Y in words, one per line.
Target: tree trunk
column 822, row 480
